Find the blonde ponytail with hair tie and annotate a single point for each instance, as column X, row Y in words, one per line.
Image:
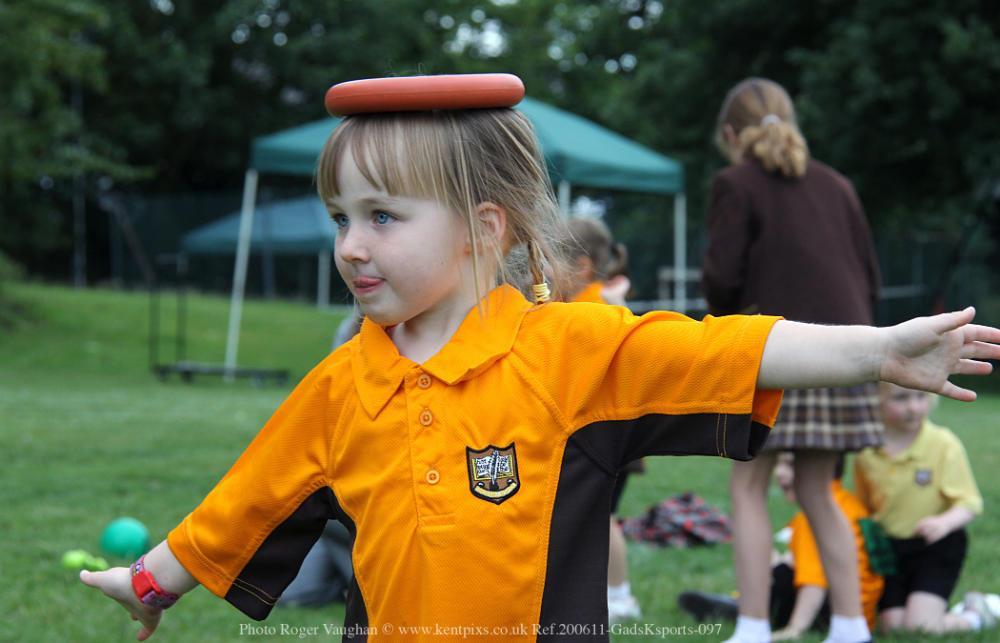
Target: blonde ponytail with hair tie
column 539, row 289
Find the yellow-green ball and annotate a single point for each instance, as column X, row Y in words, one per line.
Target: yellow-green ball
column 95, row 564
column 75, row 559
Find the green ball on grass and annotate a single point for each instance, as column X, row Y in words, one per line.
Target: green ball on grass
column 125, row 538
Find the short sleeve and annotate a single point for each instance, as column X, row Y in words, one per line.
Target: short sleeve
column 673, row 385
column 957, row 482
column 246, row 540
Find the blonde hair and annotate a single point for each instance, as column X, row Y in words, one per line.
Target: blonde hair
column 591, row 238
column 462, row 159
column 763, row 118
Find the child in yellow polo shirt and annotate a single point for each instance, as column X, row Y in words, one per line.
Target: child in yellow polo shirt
column 467, row 437
column 920, row 489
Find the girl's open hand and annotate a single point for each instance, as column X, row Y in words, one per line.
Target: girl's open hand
column 117, row 584
column 922, row 353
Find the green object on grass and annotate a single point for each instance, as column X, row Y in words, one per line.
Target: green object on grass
column 95, row 564
column 881, row 557
column 77, row 559
column 126, row 538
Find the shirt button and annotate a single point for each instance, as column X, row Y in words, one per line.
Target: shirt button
column 424, row 381
column 433, row 476
column 426, row 417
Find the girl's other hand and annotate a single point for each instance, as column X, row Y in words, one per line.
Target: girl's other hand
column 616, row 289
column 117, row 584
column 922, row 353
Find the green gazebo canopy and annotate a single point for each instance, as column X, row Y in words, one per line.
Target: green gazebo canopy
column 578, row 152
column 291, row 227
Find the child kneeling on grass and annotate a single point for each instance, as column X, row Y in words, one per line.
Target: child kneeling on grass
column 921, row 491
column 469, row 438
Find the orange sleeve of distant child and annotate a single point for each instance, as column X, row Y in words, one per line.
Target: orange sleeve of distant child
column 805, row 552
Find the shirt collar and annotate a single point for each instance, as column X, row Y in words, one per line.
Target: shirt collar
column 479, row 341
column 918, row 447
column 592, row 293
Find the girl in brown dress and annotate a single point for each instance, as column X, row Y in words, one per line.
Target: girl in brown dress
column 788, row 236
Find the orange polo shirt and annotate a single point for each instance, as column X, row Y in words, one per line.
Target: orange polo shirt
column 477, row 485
column 809, row 567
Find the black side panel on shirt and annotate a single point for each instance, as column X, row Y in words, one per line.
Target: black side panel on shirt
column 276, row 562
column 356, row 615
column 575, row 599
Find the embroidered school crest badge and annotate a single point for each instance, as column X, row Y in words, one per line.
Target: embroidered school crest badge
column 922, row 477
column 493, row 473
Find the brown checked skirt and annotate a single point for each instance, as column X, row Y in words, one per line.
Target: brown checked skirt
column 830, row 419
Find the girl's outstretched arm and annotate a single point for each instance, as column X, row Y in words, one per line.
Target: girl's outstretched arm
column 117, row 584
column 920, row 354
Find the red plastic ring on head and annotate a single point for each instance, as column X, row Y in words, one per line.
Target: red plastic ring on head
column 424, row 93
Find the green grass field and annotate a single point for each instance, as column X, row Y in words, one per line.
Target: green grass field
column 89, row 435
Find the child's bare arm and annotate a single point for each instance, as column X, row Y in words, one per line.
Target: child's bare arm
column 934, row 528
column 920, row 354
column 808, row 602
column 117, row 584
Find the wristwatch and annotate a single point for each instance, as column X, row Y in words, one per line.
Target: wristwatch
column 147, row 589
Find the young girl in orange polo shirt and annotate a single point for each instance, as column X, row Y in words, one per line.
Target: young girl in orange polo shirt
column 468, row 438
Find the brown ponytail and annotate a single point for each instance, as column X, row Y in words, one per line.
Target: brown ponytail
column 761, row 114
column 617, row 262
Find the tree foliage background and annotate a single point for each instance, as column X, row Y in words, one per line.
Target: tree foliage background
column 153, row 96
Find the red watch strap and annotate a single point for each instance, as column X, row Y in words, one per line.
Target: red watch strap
column 147, row 589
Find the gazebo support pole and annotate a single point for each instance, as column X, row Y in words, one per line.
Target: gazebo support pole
column 564, row 197
column 323, row 280
column 680, row 252
column 240, row 271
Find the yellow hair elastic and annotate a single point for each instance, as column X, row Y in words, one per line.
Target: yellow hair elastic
column 541, row 292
